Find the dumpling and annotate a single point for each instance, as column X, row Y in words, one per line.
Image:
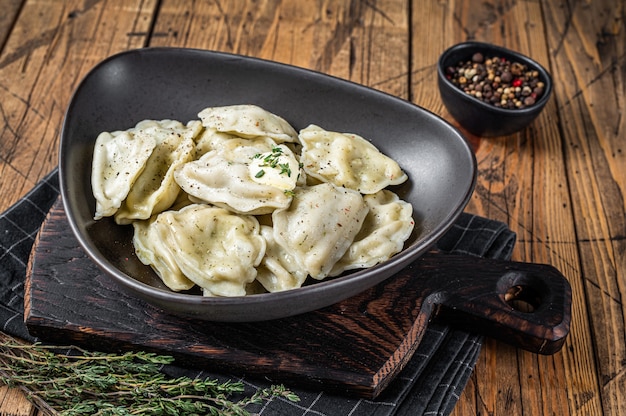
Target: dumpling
column 163, row 128
column 118, row 159
column 347, row 160
column 248, row 121
column 388, row 224
column 153, row 250
column 319, row 226
column 211, row 139
column 247, row 176
column 214, row 248
column 155, row 189
column 278, row 270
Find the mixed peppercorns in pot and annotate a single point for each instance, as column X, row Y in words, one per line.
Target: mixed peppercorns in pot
column 497, row 81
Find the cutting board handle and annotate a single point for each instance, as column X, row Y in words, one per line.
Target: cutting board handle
column 524, row 304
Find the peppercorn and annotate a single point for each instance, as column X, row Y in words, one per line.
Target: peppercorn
column 497, row 81
column 477, row 57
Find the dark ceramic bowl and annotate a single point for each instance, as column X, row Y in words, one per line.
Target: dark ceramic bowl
column 478, row 117
column 159, row 83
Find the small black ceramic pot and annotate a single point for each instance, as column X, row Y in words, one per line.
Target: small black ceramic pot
column 476, row 116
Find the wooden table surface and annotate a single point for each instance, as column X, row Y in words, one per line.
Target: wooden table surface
column 560, row 183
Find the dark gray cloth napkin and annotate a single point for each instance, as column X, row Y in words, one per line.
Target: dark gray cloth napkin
column 431, row 383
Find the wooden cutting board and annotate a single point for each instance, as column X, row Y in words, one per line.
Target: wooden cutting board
column 356, row 346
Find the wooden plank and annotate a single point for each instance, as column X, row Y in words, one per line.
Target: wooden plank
column 527, row 202
column 13, row 403
column 545, row 196
column 587, row 49
column 51, row 47
column 10, row 9
column 358, row 41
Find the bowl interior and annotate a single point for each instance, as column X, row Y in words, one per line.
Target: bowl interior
column 160, row 83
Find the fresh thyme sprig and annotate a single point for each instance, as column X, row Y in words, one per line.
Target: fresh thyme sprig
column 96, row 383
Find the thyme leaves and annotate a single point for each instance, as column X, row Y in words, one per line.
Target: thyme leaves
column 97, row 383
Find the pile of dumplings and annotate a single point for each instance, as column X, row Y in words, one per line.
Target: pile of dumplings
column 240, row 203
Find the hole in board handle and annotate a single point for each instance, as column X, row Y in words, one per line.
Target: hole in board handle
column 522, row 298
column 522, row 292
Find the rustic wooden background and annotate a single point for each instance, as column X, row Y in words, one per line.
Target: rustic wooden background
column 560, row 184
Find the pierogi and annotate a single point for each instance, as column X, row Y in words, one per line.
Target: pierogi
column 215, row 248
column 347, row 160
column 319, row 226
column 248, row 121
column 229, row 177
column 388, row 224
column 238, row 200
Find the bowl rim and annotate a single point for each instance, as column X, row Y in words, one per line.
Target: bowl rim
column 472, row 46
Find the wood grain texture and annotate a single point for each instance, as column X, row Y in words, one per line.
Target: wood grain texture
column 587, row 47
column 560, row 184
column 51, row 47
column 10, row 10
column 357, row 346
column 524, row 182
column 365, row 42
column 12, row 402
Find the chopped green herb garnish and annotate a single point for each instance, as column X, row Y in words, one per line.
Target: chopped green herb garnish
column 285, row 168
column 271, row 160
